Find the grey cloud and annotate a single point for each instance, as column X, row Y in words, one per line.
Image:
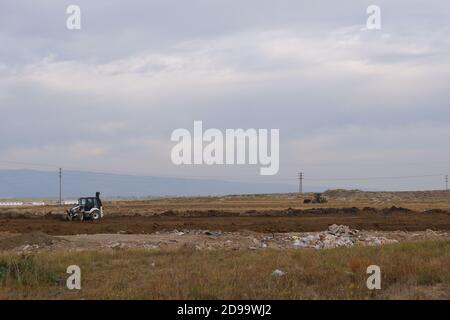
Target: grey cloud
column 139, row 70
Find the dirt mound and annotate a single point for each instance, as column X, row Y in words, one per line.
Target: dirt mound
column 34, row 238
column 31, row 215
column 290, row 212
column 395, row 209
column 342, row 192
column 436, row 211
column 206, row 213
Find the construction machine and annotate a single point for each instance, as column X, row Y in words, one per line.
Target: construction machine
column 318, row 198
column 89, row 208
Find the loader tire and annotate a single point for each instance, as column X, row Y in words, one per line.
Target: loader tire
column 95, row 215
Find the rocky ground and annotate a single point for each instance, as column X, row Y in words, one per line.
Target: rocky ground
column 334, row 236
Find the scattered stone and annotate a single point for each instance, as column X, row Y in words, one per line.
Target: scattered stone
column 300, row 243
column 341, row 230
column 117, row 245
column 278, row 273
column 213, row 233
column 151, row 246
column 337, row 236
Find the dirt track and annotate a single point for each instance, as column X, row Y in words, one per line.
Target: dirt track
column 306, row 222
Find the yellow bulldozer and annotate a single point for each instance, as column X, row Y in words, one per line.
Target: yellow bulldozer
column 318, row 198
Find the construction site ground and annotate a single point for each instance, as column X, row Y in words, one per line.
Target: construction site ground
column 241, row 229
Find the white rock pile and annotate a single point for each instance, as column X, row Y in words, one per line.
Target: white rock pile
column 337, row 236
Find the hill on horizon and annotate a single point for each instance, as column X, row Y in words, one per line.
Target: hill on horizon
column 26, row 183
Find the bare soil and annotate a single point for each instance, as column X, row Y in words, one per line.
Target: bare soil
column 289, row 221
column 228, row 247
column 34, row 238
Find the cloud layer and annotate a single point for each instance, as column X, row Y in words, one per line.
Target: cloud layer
column 349, row 102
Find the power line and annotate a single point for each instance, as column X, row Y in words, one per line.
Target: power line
column 60, row 186
column 300, row 181
column 375, row 178
column 29, row 164
column 80, row 170
column 99, row 172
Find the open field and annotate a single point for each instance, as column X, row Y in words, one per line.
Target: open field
column 227, row 247
column 409, row 271
column 417, row 201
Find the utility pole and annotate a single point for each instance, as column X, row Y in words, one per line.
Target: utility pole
column 60, row 186
column 446, row 182
column 300, row 181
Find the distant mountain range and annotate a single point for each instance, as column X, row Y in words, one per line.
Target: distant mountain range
column 26, row 183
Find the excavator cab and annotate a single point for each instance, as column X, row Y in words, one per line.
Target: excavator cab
column 89, row 208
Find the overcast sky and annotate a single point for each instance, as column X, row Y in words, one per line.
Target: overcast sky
column 349, row 102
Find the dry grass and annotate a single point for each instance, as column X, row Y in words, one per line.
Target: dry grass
column 419, row 201
column 409, row 271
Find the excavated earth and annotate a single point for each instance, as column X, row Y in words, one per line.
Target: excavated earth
column 290, row 220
